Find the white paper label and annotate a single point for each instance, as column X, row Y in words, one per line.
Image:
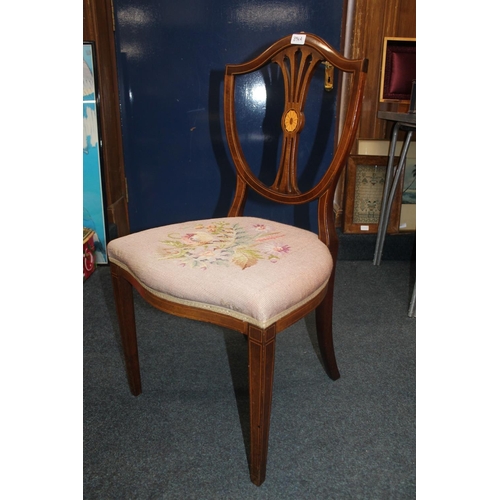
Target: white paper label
column 298, row 39
column 364, row 228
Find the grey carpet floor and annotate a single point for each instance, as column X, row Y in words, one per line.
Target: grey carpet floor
column 186, row 436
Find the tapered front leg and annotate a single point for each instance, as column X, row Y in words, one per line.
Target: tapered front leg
column 124, row 301
column 324, row 332
column 261, row 348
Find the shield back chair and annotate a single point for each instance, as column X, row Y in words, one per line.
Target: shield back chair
column 252, row 275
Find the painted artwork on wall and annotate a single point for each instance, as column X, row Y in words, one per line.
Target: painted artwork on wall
column 93, row 203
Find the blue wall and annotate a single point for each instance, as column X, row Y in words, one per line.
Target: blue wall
column 171, row 59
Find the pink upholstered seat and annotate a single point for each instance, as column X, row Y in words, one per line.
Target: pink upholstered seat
column 253, row 269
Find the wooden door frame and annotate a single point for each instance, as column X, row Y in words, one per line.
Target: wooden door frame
column 98, row 27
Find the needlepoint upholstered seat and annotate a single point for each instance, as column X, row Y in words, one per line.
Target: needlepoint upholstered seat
column 253, row 275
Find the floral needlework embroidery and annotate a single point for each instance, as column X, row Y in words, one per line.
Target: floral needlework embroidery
column 225, row 243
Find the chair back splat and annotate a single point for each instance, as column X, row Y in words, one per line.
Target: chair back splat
column 253, row 275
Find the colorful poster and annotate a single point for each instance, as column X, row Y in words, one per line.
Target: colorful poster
column 93, row 205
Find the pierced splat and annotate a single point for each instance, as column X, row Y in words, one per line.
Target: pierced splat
column 297, row 65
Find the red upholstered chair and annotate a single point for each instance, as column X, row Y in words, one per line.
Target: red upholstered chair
column 253, row 275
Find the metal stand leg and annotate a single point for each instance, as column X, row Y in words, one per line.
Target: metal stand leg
column 385, row 195
column 391, row 183
column 411, row 310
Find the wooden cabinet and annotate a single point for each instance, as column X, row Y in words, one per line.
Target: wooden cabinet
column 374, row 20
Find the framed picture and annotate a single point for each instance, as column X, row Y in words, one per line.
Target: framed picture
column 93, row 197
column 365, row 182
column 399, row 69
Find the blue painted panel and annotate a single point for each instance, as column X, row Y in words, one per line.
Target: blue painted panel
column 171, row 59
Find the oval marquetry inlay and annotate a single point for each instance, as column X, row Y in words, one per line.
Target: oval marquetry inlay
column 291, row 120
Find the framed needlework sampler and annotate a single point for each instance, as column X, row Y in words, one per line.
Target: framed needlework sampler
column 365, row 181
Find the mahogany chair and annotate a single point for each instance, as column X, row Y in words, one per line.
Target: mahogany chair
column 255, row 276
